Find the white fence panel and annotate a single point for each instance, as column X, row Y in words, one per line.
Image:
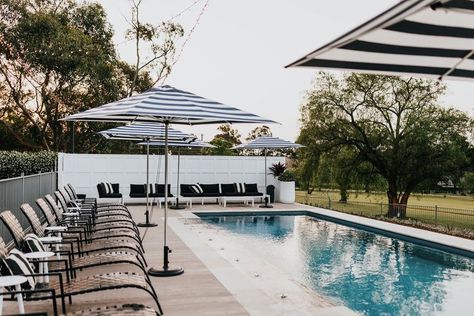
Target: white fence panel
column 85, row 171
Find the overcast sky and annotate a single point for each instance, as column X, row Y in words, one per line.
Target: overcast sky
column 238, row 51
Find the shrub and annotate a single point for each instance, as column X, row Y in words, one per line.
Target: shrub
column 287, row 176
column 13, row 163
column 277, row 169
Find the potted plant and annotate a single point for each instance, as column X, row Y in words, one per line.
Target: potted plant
column 287, row 187
column 276, row 170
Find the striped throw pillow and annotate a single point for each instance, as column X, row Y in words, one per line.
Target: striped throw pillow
column 109, row 188
column 240, row 187
column 199, row 188
column 195, row 189
column 33, row 243
column 17, row 264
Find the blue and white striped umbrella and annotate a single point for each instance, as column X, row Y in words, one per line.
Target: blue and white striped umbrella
column 425, row 38
column 146, row 131
column 169, row 105
column 267, row 142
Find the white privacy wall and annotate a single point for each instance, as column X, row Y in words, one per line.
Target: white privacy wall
column 84, row 171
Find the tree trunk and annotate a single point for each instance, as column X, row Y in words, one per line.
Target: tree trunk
column 392, row 195
column 403, row 204
column 344, row 195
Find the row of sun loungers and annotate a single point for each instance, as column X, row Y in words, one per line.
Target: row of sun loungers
column 71, row 236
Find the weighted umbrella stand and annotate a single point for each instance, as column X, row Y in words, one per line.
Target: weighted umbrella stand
column 177, row 206
column 267, row 197
column 147, row 211
column 166, row 270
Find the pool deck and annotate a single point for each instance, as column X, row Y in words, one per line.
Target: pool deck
column 215, row 282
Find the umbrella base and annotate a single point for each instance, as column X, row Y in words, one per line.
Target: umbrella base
column 177, row 207
column 147, row 225
column 166, row 272
column 266, row 206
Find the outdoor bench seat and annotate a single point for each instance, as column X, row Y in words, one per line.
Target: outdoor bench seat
column 158, row 190
column 105, row 193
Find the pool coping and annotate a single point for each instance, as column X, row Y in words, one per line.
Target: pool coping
column 443, row 242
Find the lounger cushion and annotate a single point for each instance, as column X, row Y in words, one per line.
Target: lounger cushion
column 228, row 188
column 251, row 187
column 17, row 264
column 137, row 190
column 33, row 243
column 210, row 189
column 188, row 191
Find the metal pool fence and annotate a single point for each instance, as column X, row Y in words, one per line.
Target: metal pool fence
column 24, row 189
column 440, row 216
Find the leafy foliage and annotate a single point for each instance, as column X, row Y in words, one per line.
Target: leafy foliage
column 57, row 57
column 277, row 169
column 13, row 163
column 287, row 176
column 392, row 124
column 227, row 138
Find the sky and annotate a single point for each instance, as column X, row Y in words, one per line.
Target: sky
column 237, row 52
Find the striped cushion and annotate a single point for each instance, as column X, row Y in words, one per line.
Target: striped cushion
column 108, row 188
column 33, row 243
column 240, row 187
column 195, row 189
column 152, row 189
column 199, row 188
column 17, row 264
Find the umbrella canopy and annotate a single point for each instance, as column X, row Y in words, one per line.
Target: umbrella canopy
column 193, row 144
column 167, row 104
column 170, row 106
column 145, row 131
column 267, row 142
column 427, row 38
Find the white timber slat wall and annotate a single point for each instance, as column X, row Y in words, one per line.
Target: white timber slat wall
column 85, row 171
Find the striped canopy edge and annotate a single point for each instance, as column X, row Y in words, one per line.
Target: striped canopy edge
column 167, row 104
column 267, row 142
column 145, row 131
column 425, row 38
column 194, row 144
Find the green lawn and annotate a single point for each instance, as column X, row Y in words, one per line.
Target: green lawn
column 451, row 210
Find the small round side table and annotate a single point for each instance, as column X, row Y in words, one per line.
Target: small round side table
column 14, row 280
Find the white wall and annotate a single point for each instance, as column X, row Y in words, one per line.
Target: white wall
column 84, row 171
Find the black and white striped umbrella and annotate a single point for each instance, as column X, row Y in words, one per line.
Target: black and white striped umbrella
column 267, row 142
column 168, row 105
column 426, row 38
column 146, row 131
column 180, row 143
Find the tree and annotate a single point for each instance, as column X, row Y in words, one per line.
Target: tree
column 467, row 182
column 392, row 123
column 56, row 58
column 225, row 140
column 159, row 41
column 259, row 131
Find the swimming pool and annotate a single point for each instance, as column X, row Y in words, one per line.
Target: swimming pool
column 369, row 273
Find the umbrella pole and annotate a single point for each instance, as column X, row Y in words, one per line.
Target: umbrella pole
column 267, row 198
column 166, row 270
column 177, row 206
column 147, row 212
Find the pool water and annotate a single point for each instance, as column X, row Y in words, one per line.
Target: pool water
column 369, row 273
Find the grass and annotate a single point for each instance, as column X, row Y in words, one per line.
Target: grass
column 449, row 211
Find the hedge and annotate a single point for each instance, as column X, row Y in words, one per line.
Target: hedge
column 13, row 163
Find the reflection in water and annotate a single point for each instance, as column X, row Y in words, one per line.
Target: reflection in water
column 369, row 273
